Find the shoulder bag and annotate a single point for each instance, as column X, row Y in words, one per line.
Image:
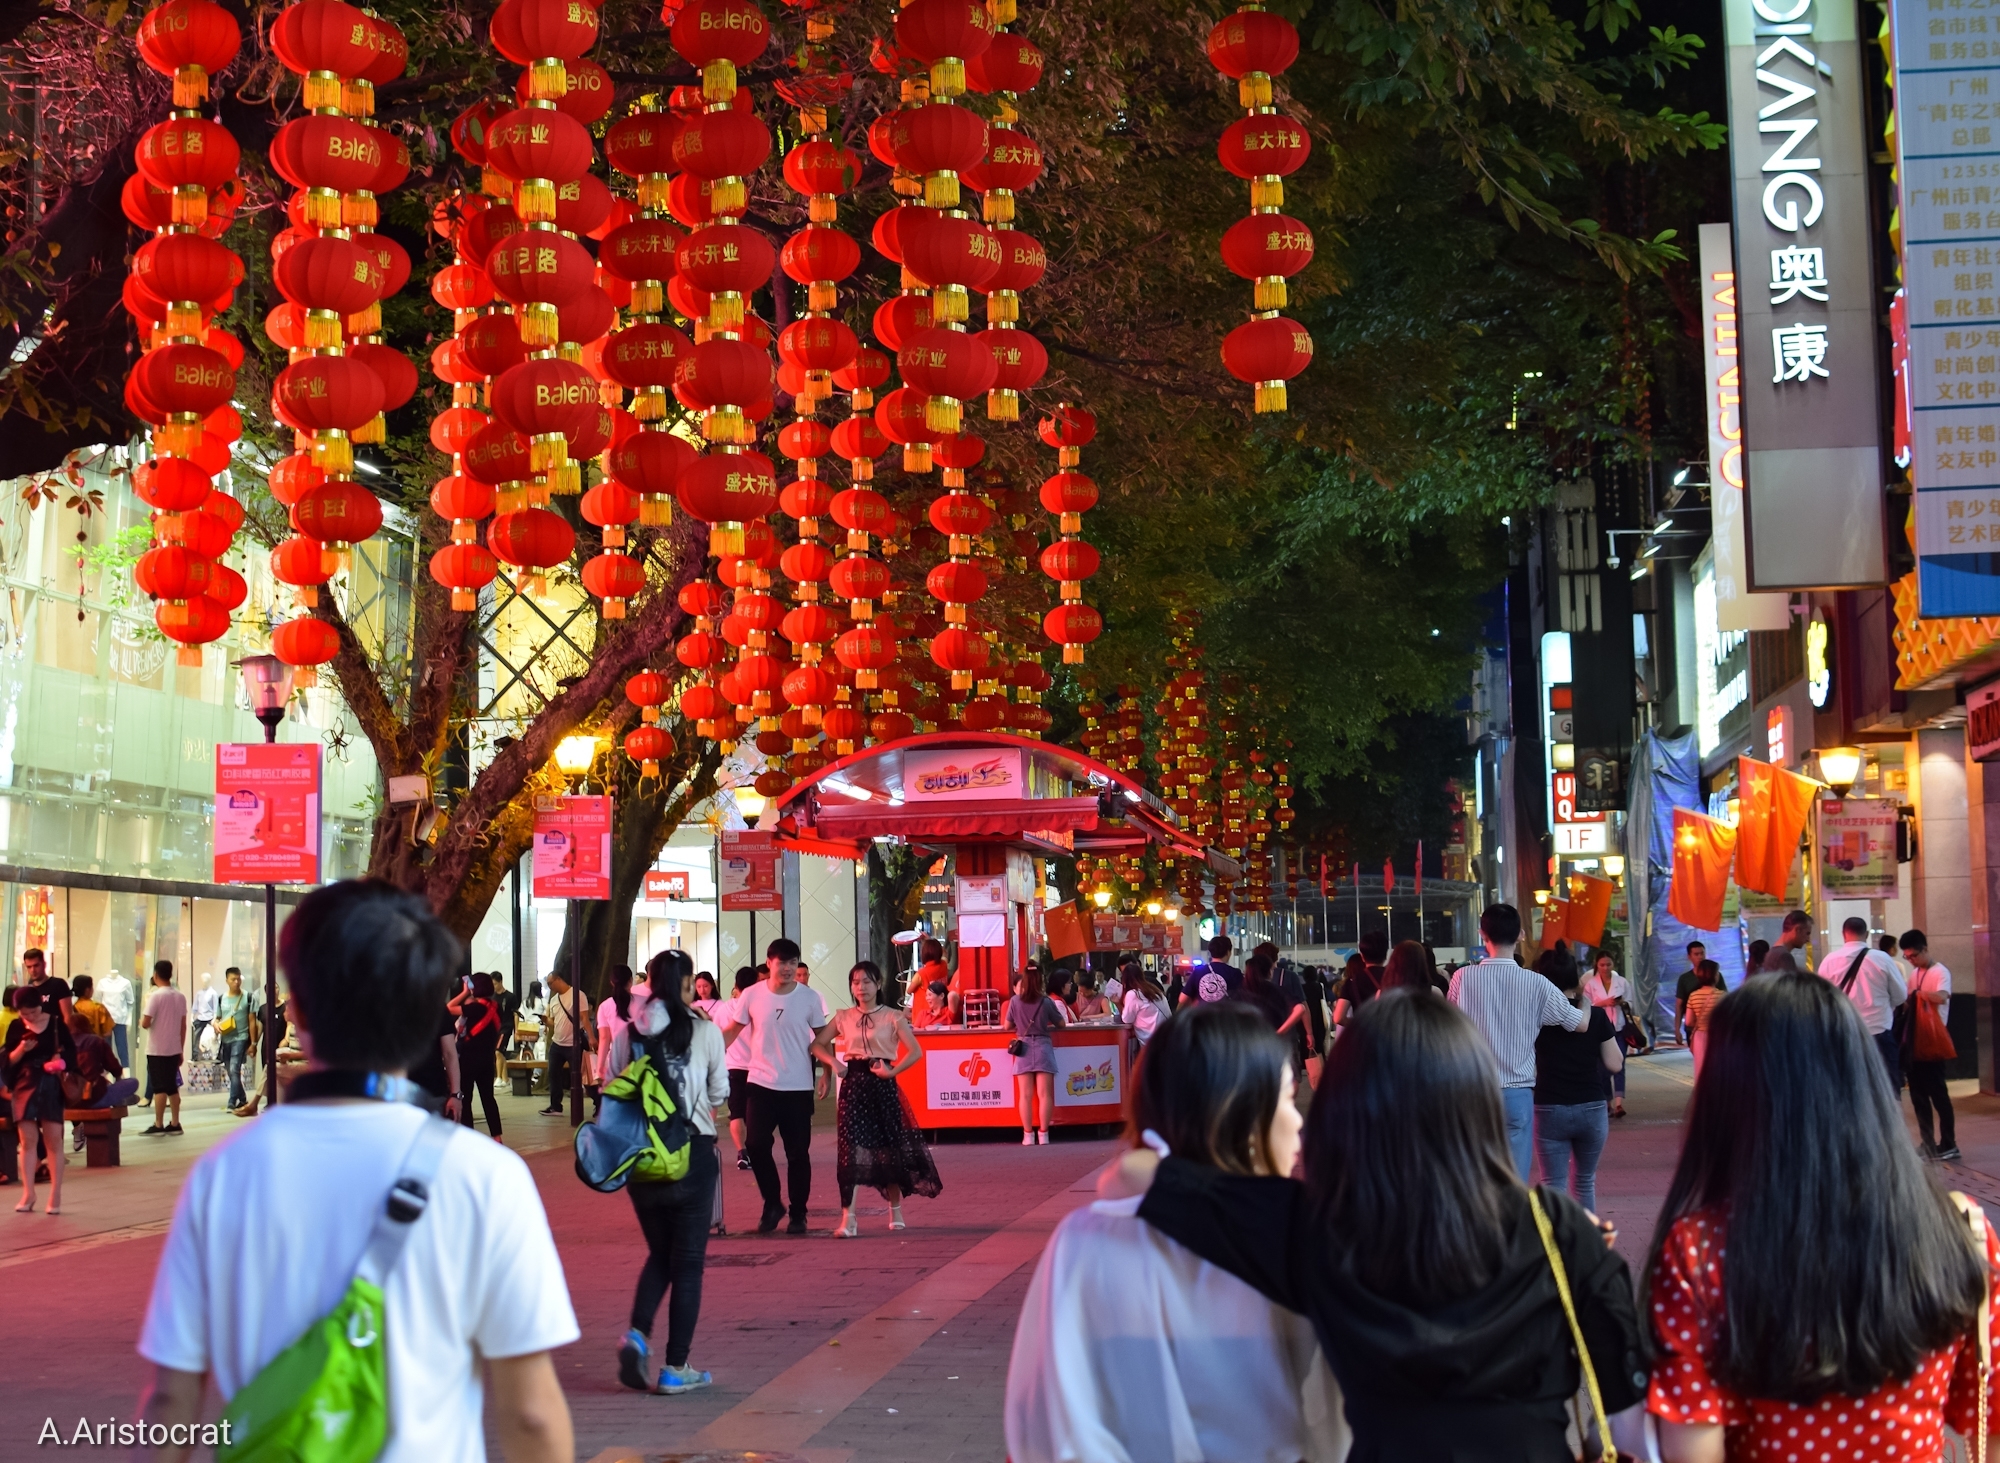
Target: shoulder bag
column 1930, row 1038
column 325, row 1398
column 1548, row 1234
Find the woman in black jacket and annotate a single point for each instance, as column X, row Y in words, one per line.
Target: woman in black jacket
column 1415, row 1252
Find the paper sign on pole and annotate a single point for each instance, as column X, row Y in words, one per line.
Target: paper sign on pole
column 267, row 813
column 1857, row 848
column 749, row 869
column 573, row 847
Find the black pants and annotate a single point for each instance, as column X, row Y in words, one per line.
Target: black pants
column 674, row 1218
column 560, row 1058
column 1891, row 1051
column 790, row 1114
column 476, row 1072
column 1927, row 1091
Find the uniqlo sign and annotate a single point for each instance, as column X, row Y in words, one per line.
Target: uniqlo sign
column 1562, row 789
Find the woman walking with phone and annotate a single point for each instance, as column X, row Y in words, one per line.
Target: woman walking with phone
column 868, row 1045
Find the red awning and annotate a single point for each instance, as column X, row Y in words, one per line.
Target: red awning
column 973, row 818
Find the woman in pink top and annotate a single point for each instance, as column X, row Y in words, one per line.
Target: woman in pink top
column 878, row 1143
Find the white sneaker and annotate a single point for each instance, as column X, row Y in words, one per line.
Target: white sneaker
column 1027, row 1137
column 1042, row 1136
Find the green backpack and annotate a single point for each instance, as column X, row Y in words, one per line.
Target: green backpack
column 651, row 1079
column 325, row 1398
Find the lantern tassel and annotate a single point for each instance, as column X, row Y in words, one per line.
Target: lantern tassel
column 190, row 87
column 322, row 91
column 725, row 540
column 547, row 80
column 1271, row 292
column 1271, row 396
column 535, row 200
column 1003, row 406
column 189, row 205
column 189, row 656
column 540, row 324
column 718, row 82
column 941, row 190
column 656, row 510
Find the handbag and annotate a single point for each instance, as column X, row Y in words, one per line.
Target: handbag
column 1976, row 1218
column 1315, row 1068
column 1930, row 1039
column 1548, row 1234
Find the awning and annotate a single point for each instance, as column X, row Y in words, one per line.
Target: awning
column 971, row 818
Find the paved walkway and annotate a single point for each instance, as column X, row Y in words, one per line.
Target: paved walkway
column 891, row 1348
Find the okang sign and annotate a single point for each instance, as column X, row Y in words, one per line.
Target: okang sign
column 962, row 774
column 1947, row 79
column 1805, row 298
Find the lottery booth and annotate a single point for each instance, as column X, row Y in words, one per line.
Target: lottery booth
column 998, row 804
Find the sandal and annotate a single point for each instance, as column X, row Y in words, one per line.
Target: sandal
column 850, row 1230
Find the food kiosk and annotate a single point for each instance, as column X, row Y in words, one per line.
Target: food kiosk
column 996, row 803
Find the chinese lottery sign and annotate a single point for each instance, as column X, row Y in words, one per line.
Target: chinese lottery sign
column 267, row 812
column 748, row 865
column 573, row 847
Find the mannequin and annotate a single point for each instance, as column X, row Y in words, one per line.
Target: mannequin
column 202, row 1012
column 115, row 994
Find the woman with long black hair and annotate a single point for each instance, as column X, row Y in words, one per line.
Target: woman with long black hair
column 868, row 1046
column 686, row 1048
column 1427, row 1269
column 1814, row 1295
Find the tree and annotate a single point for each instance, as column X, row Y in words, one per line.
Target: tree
column 1487, row 308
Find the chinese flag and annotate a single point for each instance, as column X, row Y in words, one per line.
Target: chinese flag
column 1420, row 868
column 1555, row 924
column 1322, row 876
column 1703, row 851
column 1791, row 801
column 1589, row 908
column 1388, row 876
column 1753, row 822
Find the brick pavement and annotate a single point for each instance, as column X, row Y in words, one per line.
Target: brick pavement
column 922, row 1388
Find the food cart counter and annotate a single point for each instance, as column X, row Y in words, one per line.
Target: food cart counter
column 966, row 1078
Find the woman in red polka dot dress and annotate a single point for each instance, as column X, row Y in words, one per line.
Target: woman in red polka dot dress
column 1814, row 1295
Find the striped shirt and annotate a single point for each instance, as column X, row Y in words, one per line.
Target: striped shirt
column 1510, row 1006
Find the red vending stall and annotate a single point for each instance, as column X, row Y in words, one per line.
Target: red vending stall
column 996, row 803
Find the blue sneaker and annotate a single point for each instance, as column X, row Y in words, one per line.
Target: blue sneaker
column 677, row 1379
column 632, row 1355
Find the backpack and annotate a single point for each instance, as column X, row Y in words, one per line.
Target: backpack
column 644, row 1131
column 325, row 1398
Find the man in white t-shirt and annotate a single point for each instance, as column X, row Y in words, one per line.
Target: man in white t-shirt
column 1874, row 983
column 166, row 1028
column 780, row 1017
column 1930, row 983
column 477, row 1297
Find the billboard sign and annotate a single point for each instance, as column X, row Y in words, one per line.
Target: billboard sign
column 749, row 870
column 573, row 847
column 267, row 812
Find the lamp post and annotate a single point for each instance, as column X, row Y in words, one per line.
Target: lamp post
column 574, row 758
column 268, row 683
column 1841, row 766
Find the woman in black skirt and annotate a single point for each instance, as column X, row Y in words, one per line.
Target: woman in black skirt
column 31, row 1069
column 868, row 1044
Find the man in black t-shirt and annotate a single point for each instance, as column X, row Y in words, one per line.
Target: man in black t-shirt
column 1686, row 986
column 1220, row 981
column 55, row 992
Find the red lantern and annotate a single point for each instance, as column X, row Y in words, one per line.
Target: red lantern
column 332, row 276
column 1250, row 47
column 938, row 141
column 640, row 250
column 699, row 651
column 615, row 579
column 301, row 563
column 192, row 623
column 642, row 143
column 647, row 745
column 1264, row 145
column 648, row 691
column 532, row 540
column 392, row 368
column 338, row 513
column 1010, row 64
column 702, row 703
column 326, row 394
column 866, row 650
column 188, row 267
column 306, row 643
column 190, row 41
column 860, row 581
column 945, row 35
column 718, row 36
column 464, row 500
column 818, row 166
column 962, row 653
column 960, row 515
column 187, row 152
column 940, row 251
column 725, row 489
column 171, row 572
column 171, row 484
column 950, row 366
column 1070, row 560
column 492, row 344
column 323, row 35
column 726, row 256
column 1268, row 351
column 1073, row 626
column 1268, row 248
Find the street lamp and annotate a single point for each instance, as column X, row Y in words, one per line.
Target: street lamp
column 1614, row 865
column 1102, row 895
column 1840, row 766
column 267, row 681
column 576, row 753
column 750, row 803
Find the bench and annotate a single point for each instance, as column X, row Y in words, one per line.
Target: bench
column 524, row 1075
column 100, row 1127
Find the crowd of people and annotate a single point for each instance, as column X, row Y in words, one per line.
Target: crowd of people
column 1410, row 1295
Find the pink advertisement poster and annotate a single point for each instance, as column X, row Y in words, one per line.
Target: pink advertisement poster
column 267, row 813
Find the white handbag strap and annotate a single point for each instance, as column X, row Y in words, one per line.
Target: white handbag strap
column 408, row 1198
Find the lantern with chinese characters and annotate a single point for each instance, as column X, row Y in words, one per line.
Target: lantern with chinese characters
column 1072, row 624
column 306, row 644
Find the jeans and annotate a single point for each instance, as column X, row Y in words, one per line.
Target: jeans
column 121, row 1043
column 675, row 1218
column 1573, row 1133
column 1928, row 1093
column 1520, row 1105
column 791, row 1114
column 234, row 1050
column 560, row 1058
column 118, row 1094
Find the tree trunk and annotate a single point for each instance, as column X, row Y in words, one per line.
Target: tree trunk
column 647, row 813
column 895, row 896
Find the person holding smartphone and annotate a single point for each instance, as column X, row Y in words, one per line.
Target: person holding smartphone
column 879, row 1145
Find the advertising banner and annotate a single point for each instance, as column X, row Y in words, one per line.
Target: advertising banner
column 1857, row 848
column 1806, row 300
column 573, row 847
column 1947, row 57
column 962, row 775
column 749, row 870
column 267, row 812
column 980, row 1078
column 1087, row 1076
